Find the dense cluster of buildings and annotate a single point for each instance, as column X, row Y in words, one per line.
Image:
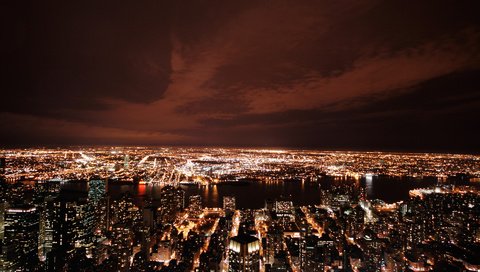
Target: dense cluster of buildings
column 207, row 165
column 45, row 226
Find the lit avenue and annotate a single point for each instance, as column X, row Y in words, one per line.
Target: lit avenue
column 159, row 209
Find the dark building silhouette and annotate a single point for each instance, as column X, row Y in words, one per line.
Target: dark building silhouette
column 20, row 245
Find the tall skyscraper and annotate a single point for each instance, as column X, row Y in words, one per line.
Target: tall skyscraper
column 73, row 228
column 244, row 253
column 100, row 202
column 121, row 247
column 3, row 207
column 126, row 162
column 274, row 243
column 195, row 205
column 229, row 203
column 314, row 253
column 125, row 211
column 284, row 210
column 44, row 194
column 97, row 190
column 46, row 231
column 20, row 246
column 172, row 200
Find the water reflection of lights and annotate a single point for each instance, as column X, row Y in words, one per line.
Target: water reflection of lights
column 369, row 183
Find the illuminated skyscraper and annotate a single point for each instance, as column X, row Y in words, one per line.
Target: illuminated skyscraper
column 127, row 158
column 244, row 253
column 100, row 203
column 45, row 239
column 195, row 205
column 121, row 247
column 284, row 207
column 229, row 203
column 73, row 228
column 274, row 243
column 97, row 189
column 315, row 253
column 20, row 246
column 172, row 200
column 44, row 194
column 284, row 210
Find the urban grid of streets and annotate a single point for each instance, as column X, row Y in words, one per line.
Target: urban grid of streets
column 437, row 229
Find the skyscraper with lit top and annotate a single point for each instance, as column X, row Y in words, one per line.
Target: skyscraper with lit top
column 244, row 253
column 20, row 245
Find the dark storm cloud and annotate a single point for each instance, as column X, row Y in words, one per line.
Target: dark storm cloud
column 331, row 74
column 438, row 114
column 80, row 54
column 282, row 44
column 435, row 97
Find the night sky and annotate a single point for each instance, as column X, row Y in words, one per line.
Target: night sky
column 360, row 75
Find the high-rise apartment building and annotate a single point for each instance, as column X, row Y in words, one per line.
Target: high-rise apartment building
column 20, row 244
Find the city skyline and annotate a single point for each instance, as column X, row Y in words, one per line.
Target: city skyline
column 240, row 136
column 145, row 209
column 363, row 75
